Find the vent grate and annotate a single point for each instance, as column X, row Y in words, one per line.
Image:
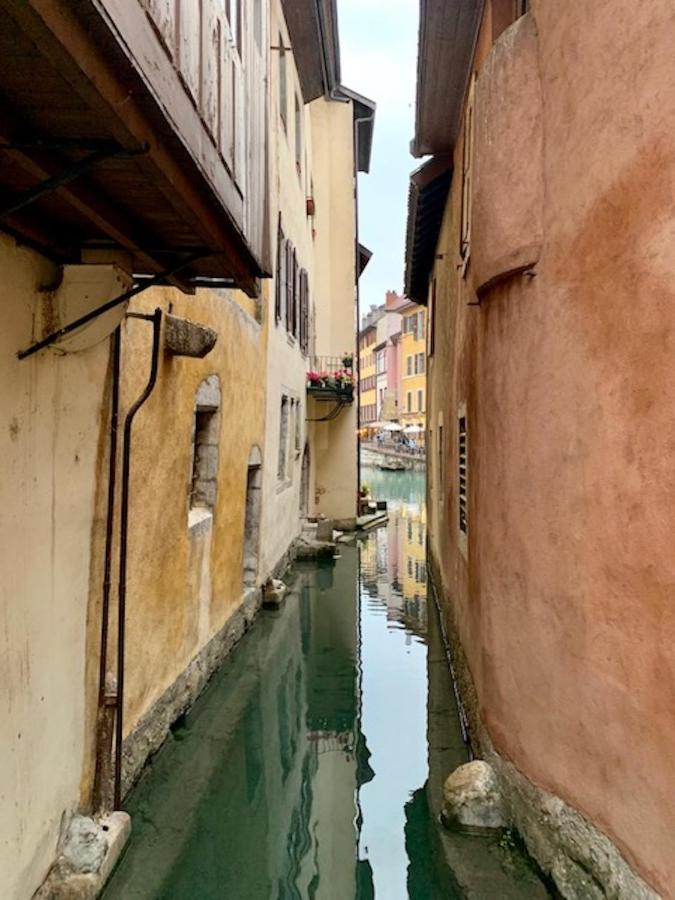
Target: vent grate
column 463, row 477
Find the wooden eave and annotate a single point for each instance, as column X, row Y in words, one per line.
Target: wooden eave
column 447, row 36
column 427, row 198
column 69, row 83
column 313, row 30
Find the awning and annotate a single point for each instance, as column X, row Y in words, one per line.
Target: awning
column 427, row 196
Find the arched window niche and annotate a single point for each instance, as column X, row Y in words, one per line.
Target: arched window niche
column 252, row 518
column 205, row 452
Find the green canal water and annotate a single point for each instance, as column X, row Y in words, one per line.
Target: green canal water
column 306, row 768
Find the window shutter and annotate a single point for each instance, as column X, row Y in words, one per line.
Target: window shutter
column 304, row 311
column 288, row 293
column 278, row 288
column 296, row 296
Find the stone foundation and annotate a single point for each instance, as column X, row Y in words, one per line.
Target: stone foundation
column 154, row 727
column 581, row 860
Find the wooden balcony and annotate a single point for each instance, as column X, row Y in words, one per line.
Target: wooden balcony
column 134, row 124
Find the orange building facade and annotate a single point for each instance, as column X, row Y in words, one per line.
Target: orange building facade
column 548, row 278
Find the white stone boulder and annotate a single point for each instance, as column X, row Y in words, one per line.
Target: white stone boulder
column 472, row 799
column 274, row 593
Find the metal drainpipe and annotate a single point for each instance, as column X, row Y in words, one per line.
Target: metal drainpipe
column 156, row 319
column 104, row 717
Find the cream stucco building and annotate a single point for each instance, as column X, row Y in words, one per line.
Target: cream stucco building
column 177, row 251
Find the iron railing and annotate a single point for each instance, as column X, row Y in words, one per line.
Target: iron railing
column 331, row 375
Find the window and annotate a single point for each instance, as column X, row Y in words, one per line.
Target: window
column 280, row 286
column 462, row 484
column 283, row 83
column 420, row 401
column 420, row 325
column 409, row 365
column 467, row 160
column 409, row 402
column 441, row 465
column 431, row 318
column 205, row 445
column 419, row 364
column 283, row 437
column 298, row 135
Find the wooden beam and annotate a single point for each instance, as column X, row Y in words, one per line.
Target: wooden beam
column 57, row 31
column 88, row 202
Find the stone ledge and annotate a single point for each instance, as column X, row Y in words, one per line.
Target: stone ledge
column 88, row 852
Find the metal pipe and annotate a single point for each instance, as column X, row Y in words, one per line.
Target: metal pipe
column 111, row 304
column 124, row 535
column 103, row 751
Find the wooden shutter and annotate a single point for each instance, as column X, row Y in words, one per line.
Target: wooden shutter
column 304, row 311
column 278, row 287
column 289, row 284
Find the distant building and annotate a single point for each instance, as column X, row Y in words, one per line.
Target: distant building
column 412, row 376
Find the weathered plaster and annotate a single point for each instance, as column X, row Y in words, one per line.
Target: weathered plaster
column 563, row 604
column 49, row 443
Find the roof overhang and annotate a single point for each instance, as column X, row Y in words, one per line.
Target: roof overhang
column 447, row 38
column 427, row 196
column 312, row 25
column 365, row 256
column 364, row 125
column 90, row 158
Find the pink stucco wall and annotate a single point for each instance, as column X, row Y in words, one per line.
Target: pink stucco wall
column 564, row 595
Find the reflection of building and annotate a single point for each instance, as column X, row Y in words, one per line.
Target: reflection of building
column 269, row 765
column 393, row 568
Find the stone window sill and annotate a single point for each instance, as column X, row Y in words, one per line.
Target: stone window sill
column 200, row 520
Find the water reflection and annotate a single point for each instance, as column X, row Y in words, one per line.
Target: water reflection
column 300, row 772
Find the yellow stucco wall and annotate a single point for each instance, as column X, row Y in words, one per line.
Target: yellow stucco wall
column 183, row 584
column 49, row 446
column 410, row 348
column 333, row 443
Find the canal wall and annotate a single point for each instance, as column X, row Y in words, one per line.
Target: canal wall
column 373, row 455
column 154, row 727
column 576, row 855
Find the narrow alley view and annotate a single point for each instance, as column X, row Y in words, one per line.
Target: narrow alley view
column 281, row 781
column 337, row 450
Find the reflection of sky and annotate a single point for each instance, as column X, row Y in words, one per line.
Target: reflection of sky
column 394, row 681
column 394, row 714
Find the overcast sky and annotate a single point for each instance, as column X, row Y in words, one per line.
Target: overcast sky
column 378, row 42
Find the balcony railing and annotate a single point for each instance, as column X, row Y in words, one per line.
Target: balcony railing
column 331, row 378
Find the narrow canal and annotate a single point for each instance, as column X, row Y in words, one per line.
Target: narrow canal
column 306, row 767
